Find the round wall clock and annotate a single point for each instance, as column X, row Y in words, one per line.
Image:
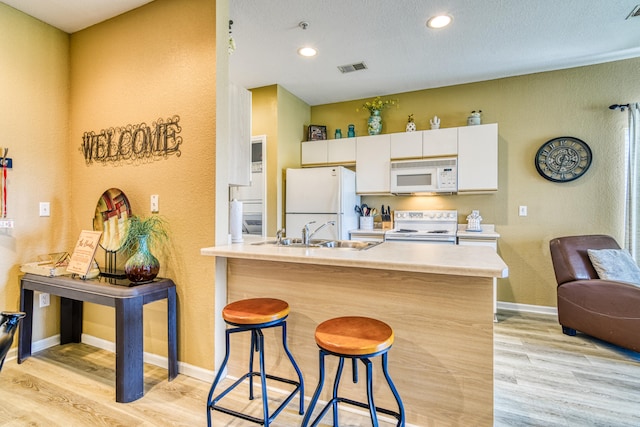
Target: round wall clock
column 563, row 159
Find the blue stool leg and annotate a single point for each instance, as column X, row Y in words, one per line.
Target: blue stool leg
column 218, row 377
column 252, row 350
column 385, row 370
column 336, row 385
column 263, row 377
column 354, row 369
column 295, row 365
column 372, row 406
column 316, row 395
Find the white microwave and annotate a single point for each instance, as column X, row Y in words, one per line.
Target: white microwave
column 425, row 176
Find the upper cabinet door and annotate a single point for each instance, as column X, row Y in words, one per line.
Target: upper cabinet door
column 341, row 151
column 478, row 158
column 373, row 164
column 239, row 135
column 440, row 142
column 314, row 153
column 407, row 145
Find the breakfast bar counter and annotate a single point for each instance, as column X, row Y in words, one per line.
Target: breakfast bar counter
column 437, row 298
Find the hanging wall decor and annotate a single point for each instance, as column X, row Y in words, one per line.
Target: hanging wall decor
column 563, row 159
column 133, row 143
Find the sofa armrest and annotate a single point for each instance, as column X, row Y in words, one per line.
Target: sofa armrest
column 605, row 297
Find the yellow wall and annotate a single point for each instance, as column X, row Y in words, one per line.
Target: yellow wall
column 529, row 110
column 153, row 63
column 282, row 117
column 34, row 85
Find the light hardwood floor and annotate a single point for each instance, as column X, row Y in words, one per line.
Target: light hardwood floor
column 542, row 378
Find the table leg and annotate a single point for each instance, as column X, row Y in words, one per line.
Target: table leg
column 70, row 320
column 26, row 325
column 129, row 350
column 172, row 352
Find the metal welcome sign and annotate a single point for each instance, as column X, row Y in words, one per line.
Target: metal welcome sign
column 133, row 143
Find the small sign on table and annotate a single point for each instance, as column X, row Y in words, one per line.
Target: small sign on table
column 83, row 254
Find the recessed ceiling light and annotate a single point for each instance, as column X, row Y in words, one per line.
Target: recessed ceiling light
column 307, row 51
column 439, row 21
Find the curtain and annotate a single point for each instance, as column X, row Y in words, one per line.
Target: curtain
column 632, row 230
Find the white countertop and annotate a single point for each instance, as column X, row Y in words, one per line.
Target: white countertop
column 400, row 256
column 488, row 232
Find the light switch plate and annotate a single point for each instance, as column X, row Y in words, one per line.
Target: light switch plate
column 155, row 206
column 522, row 211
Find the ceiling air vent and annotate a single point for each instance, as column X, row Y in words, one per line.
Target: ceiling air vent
column 352, row 67
column 635, row 12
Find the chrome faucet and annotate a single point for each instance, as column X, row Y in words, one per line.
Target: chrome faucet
column 306, row 235
column 279, row 234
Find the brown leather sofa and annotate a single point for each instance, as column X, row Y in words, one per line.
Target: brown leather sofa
column 605, row 309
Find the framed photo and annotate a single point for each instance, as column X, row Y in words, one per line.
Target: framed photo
column 317, row 133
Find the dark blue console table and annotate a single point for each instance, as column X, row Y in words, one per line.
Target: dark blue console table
column 128, row 302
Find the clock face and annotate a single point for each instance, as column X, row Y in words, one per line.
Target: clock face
column 563, row 159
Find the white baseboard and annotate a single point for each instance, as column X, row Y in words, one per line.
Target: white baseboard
column 527, row 308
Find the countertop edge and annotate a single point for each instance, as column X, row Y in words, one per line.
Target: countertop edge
column 494, row 265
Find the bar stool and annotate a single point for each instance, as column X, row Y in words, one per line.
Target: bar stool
column 254, row 315
column 355, row 338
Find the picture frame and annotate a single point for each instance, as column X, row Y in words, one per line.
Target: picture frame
column 317, row 133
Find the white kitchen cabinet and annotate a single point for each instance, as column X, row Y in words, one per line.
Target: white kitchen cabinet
column 478, row 158
column 373, row 164
column 341, row 151
column 406, row 145
column 440, row 142
column 329, row 152
column 314, row 153
column 239, row 135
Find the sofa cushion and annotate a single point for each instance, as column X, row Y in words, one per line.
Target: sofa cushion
column 615, row 264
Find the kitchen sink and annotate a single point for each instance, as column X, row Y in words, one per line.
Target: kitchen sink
column 322, row 243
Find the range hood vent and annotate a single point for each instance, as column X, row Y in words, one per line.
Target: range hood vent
column 635, row 12
column 352, row 67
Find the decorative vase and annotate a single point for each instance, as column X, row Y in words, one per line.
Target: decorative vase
column 352, row 131
column 142, row 266
column 374, row 124
column 411, row 125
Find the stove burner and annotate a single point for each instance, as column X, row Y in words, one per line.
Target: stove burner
column 404, row 230
column 438, row 231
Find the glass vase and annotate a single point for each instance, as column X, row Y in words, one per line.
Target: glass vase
column 142, row 266
column 374, row 124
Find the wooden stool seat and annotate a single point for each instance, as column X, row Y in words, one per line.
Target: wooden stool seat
column 255, row 311
column 354, row 336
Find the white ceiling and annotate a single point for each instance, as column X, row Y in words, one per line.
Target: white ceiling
column 488, row 39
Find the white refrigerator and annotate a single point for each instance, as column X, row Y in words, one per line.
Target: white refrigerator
column 321, row 195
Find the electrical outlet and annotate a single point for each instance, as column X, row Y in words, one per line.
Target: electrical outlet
column 45, row 209
column 45, row 299
column 155, row 207
column 522, row 211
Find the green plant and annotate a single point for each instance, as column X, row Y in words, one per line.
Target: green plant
column 378, row 104
column 154, row 227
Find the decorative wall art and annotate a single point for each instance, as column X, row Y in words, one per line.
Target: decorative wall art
column 563, row 159
column 133, row 143
column 317, row 133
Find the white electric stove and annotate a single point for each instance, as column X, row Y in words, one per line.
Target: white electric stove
column 429, row 226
